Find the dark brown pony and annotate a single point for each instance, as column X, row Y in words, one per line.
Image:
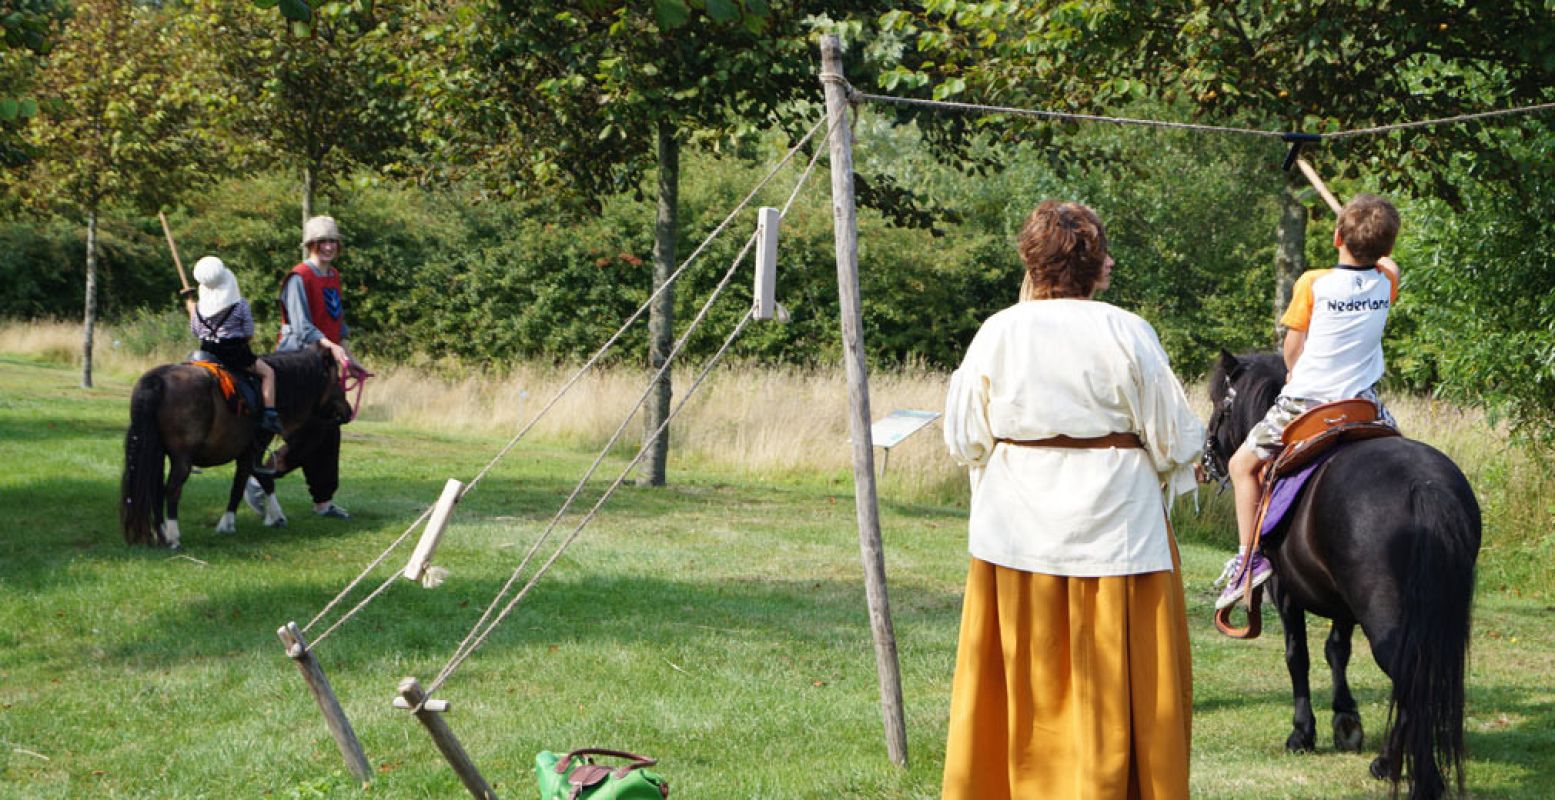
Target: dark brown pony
column 1384, row 535
column 178, row 415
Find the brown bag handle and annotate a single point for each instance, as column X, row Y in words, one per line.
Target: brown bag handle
column 638, row 761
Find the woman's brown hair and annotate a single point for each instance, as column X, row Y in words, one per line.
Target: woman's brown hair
column 1063, row 246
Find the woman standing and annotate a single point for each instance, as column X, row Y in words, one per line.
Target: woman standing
column 1073, row 677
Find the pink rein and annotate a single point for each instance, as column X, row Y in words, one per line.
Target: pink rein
column 354, row 377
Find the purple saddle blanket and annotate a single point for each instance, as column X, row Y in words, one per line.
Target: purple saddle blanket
column 1285, row 492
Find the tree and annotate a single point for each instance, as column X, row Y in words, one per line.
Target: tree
column 316, row 88
column 25, row 27
column 601, row 92
column 120, row 123
column 1311, row 67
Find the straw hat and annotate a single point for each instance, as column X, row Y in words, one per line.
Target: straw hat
column 319, row 228
column 218, row 286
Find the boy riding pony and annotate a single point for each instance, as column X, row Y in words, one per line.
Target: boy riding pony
column 1333, row 351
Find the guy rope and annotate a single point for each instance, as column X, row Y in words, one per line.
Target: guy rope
column 301, row 650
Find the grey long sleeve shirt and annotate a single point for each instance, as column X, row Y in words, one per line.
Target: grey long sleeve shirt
column 298, row 332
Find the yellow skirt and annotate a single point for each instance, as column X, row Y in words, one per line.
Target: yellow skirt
column 1070, row 688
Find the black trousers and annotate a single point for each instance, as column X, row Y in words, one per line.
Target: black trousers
column 315, row 448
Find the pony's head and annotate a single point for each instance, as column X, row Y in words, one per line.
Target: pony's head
column 307, row 385
column 1241, row 389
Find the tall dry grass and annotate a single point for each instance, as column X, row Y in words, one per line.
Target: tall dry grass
column 755, row 420
column 780, row 422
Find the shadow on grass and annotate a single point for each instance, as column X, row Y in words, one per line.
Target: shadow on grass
column 425, row 626
column 59, row 430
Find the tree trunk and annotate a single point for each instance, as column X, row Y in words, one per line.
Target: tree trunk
column 89, row 323
column 661, row 316
column 308, row 179
column 1290, row 255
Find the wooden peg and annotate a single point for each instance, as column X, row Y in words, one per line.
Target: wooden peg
column 413, row 696
column 334, row 716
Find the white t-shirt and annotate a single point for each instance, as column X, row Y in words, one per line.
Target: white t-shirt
column 1343, row 311
column 1080, row 368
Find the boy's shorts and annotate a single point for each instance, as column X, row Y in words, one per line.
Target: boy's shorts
column 1267, row 437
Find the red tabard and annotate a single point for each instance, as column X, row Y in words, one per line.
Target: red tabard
column 324, row 301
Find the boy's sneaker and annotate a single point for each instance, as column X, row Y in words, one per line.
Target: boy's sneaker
column 1235, row 586
column 332, row 511
column 270, row 421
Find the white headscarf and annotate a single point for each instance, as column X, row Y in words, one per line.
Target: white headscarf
column 218, row 286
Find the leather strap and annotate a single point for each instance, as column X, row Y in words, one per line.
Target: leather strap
column 1119, row 440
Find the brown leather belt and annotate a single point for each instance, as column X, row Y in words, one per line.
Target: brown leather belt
column 1123, row 440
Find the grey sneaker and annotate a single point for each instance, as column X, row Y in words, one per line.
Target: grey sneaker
column 332, row 511
column 254, row 495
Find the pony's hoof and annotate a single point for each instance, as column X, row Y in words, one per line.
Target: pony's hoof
column 1379, row 768
column 227, row 525
column 278, row 522
column 1348, row 734
column 1300, row 742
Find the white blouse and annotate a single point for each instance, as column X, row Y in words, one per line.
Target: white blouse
column 1081, row 368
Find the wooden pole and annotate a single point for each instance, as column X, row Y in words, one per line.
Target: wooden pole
column 443, row 737
column 168, row 232
column 845, row 225
column 334, row 715
column 1317, row 183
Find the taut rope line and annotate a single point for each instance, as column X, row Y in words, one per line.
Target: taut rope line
column 566, row 387
column 977, row 108
column 589, row 517
column 477, row 634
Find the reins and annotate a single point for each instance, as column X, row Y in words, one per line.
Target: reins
column 354, row 378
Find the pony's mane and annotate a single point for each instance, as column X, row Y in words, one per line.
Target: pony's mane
column 301, row 377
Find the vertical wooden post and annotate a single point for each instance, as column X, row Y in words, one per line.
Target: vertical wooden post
column 845, row 222
column 334, row 715
column 443, row 737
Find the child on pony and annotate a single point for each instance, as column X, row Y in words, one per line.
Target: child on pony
column 1333, row 351
column 222, row 321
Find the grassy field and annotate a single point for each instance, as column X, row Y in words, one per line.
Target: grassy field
column 718, row 624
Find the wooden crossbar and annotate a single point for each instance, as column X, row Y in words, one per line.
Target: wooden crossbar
column 412, row 697
column 436, row 524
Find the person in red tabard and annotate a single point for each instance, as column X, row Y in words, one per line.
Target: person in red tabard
column 313, row 315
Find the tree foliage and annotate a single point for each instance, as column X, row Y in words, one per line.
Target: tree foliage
column 317, row 89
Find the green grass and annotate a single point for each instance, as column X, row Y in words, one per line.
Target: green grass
column 717, row 624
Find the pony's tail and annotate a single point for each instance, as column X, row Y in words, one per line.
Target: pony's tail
column 1426, row 709
column 142, row 486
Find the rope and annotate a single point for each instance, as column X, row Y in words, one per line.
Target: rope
column 598, row 459
column 1440, row 121
column 856, row 96
column 576, row 376
column 459, row 658
column 1062, row 115
column 641, row 309
column 478, row 634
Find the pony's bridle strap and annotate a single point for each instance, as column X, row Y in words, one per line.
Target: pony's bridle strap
column 1214, row 466
column 354, row 377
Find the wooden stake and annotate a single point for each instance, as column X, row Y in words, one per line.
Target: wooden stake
column 334, row 715
column 168, row 232
column 443, row 737
column 1317, row 183
column 845, row 225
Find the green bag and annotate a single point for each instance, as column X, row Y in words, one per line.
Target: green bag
column 575, row 776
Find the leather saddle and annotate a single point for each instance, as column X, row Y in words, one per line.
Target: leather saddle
column 239, row 387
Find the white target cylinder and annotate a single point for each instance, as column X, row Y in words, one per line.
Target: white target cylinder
column 767, row 220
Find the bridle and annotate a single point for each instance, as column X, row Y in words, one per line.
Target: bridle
column 354, row 378
column 1212, row 462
